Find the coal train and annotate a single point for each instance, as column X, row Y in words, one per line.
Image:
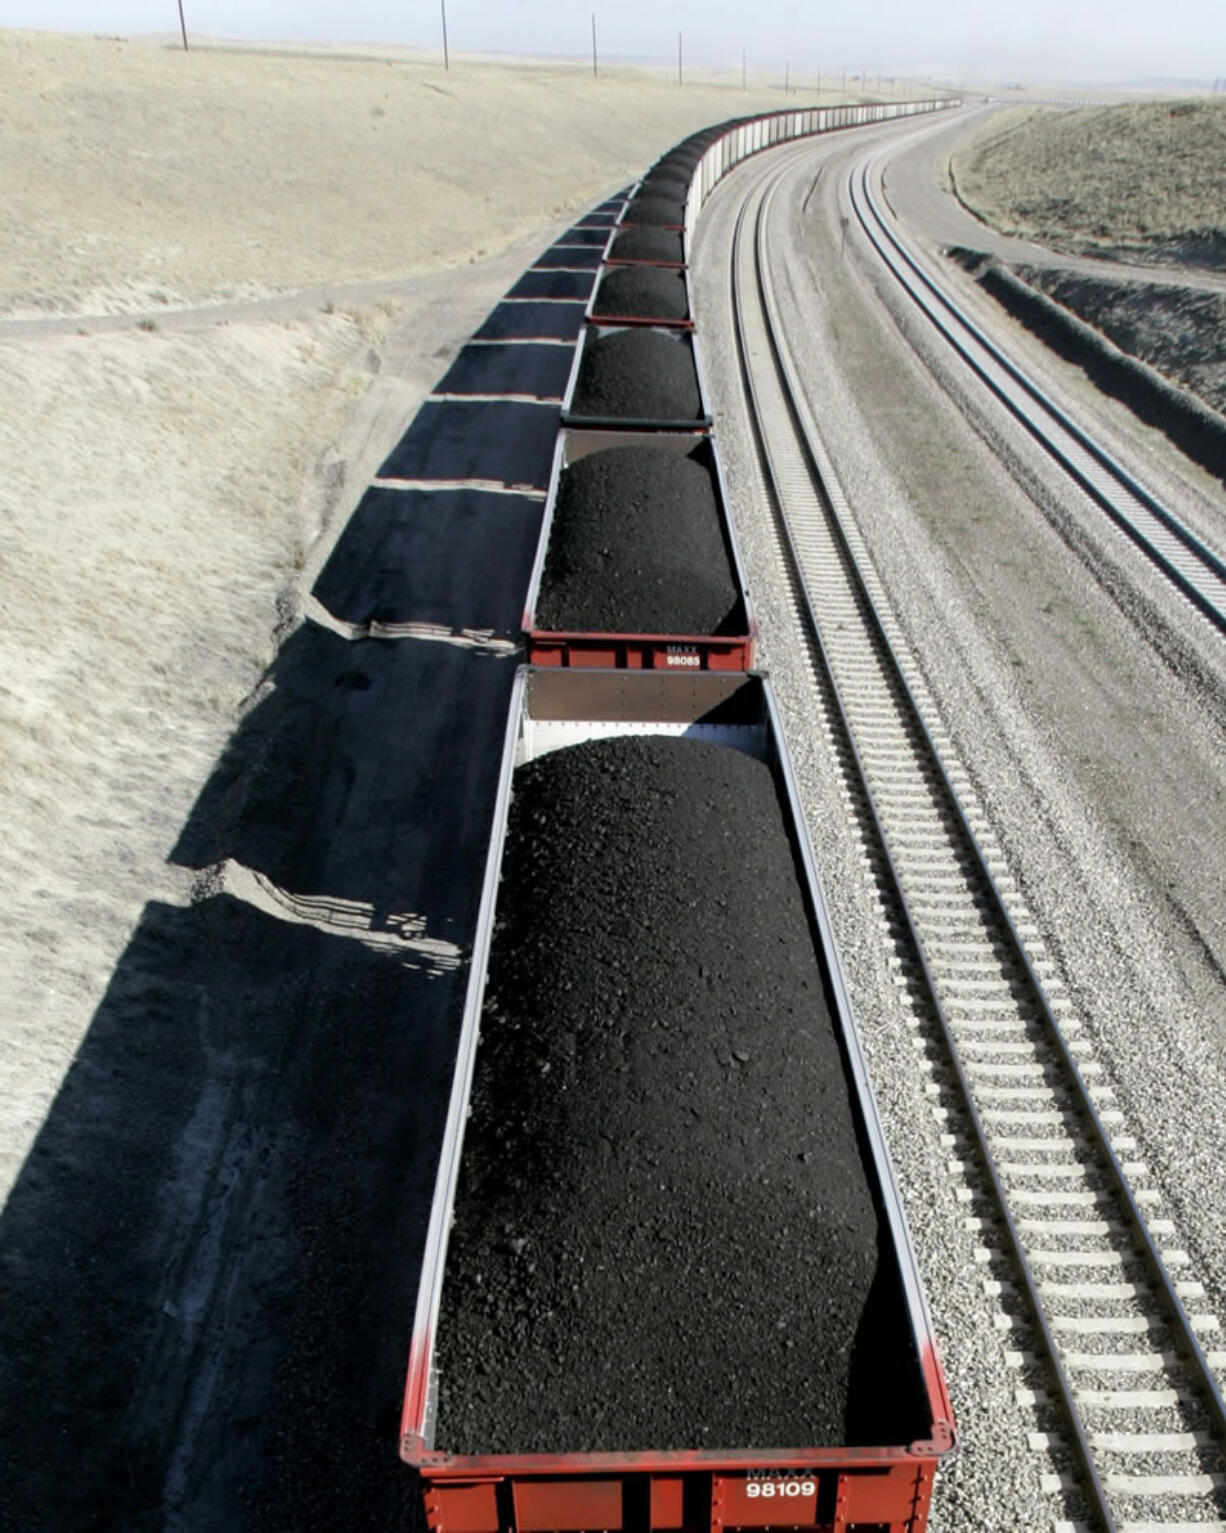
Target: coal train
column 668, row 1283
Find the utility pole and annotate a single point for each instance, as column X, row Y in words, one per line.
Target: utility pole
column 182, row 26
column 844, row 79
column 678, row 58
column 595, row 72
column 446, row 56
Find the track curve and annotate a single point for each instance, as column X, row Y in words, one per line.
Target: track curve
column 1195, row 568
column 1102, row 1307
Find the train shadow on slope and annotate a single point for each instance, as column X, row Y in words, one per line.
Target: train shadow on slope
column 211, row 1254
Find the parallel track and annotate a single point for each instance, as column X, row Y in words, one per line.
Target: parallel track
column 1195, row 569
column 1129, row 1415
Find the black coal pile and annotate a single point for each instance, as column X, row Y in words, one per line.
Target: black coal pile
column 637, row 547
column 646, row 292
column 664, row 1234
column 666, row 183
column 647, row 245
column 637, row 374
column 655, row 210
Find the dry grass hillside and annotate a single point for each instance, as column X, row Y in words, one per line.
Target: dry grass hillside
column 134, row 174
column 1140, row 181
column 167, row 473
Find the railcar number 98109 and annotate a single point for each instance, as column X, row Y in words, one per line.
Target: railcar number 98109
column 767, row 1488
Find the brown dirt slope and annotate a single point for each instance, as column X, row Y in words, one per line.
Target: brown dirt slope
column 1138, row 182
column 1178, row 330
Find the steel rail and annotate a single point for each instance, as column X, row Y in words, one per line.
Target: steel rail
column 965, row 1091
column 1106, row 1157
column 1205, row 586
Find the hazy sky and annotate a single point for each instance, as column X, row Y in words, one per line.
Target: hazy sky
column 1029, row 40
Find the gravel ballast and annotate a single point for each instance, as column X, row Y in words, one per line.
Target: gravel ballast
column 664, row 1234
column 637, row 374
column 643, row 244
column 637, row 546
column 642, row 292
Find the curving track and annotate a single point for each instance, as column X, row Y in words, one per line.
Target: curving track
column 1107, row 1340
column 1192, row 566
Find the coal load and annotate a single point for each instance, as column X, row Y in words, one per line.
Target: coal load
column 642, row 292
column 637, row 547
column 655, row 210
column 647, row 245
column 666, row 183
column 636, row 374
column 664, row 1234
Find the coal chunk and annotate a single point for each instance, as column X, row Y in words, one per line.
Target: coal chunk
column 637, row 374
column 647, row 245
column 665, row 1236
column 646, row 292
column 655, row 210
column 637, row 547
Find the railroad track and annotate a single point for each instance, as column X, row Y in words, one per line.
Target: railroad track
column 1105, row 1341
column 1195, row 569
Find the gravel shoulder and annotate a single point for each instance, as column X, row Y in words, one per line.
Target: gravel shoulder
column 1088, row 714
column 1087, row 702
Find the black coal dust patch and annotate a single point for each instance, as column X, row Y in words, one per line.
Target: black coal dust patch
column 637, row 547
column 636, row 375
column 642, row 292
column 647, row 245
column 665, row 1235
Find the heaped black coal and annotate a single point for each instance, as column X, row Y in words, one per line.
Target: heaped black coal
column 664, row 1233
column 637, row 546
column 647, row 245
column 674, row 184
column 636, row 374
column 655, row 210
column 642, row 292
